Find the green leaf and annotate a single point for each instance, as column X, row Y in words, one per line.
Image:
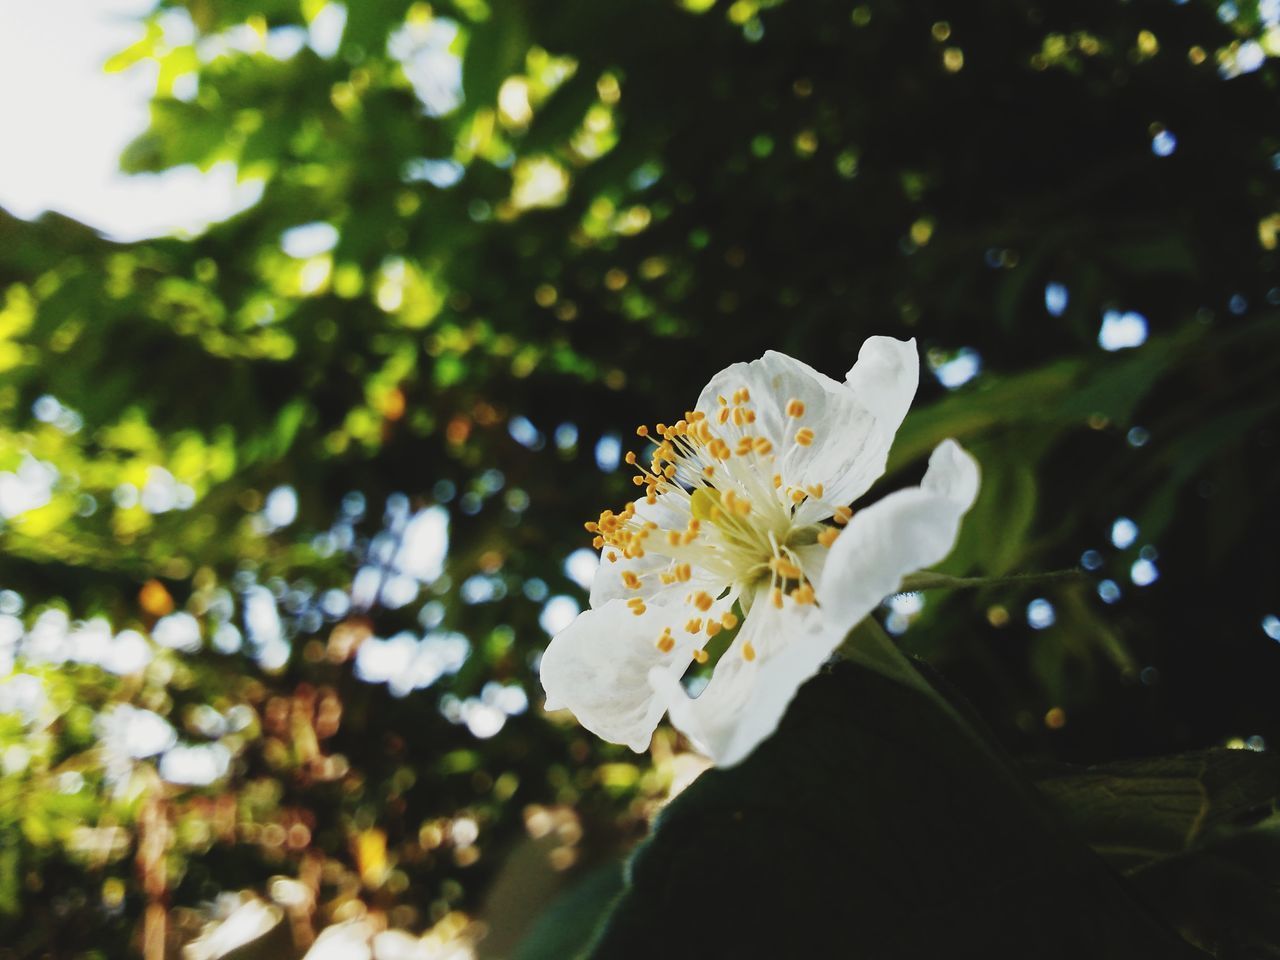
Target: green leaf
column 1140, row 810
column 566, row 929
column 873, row 824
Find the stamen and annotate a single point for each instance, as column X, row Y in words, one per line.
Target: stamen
column 795, row 409
column 631, row 580
column 694, row 625
column 729, row 620
column 841, row 515
column 804, row 436
column 828, row 536
column 748, row 652
column 700, row 655
column 666, row 642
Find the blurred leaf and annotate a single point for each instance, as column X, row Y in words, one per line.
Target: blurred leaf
column 871, row 824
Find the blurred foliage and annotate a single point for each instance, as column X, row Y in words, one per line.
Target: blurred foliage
column 491, row 238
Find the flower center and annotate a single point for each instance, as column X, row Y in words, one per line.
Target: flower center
column 718, row 506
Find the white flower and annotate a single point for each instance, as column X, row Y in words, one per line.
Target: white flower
column 746, row 503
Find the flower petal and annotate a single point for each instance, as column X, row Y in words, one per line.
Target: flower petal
column 853, row 423
column 669, row 513
column 904, row 532
column 746, row 699
column 598, row 666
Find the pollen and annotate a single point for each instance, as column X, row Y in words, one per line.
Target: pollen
column 763, row 446
column 795, row 409
column 713, row 627
column 815, row 490
column 702, row 600
column 785, row 568
column 636, row 605
column 748, row 652
column 775, row 596
column 642, row 431
column 683, row 572
column 804, row 436
column 700, row 655
column 631, row 580
column 729, row 620
column 803, row 594
column 666, row 642
column 828, row 536
column 694, row 625
column 841, row 515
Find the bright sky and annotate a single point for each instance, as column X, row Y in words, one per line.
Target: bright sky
column 63, row 124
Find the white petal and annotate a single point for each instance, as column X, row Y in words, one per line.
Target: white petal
column 669, row 513
column 599, row 665
column 745, row 700
column 885, row 379
column 853, row 422
column 904, row 532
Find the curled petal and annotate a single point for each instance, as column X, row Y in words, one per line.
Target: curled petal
column 598, row 666
column 746, row 698
column 852, row 424
column 905, row 532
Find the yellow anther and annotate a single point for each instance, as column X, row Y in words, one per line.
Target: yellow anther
column 667, row 578
column 739, row 417
column 776, row 597
column 803, row 594
column 694, row 524
column 683, row 572
column 670, row 471
column 638, row 480
column 702, row 600
column 696, row 415
column 744, row 446
column 722, row 415
column 639, row 609
column 763, row 446
column 745, row 395
column 797, row 496
column 666, row 642
column 631, row 580
column 713, row 627
column 591, row 526
column 841, row 515
column 815, row 490
column 681, row 427
column 785, row 568
column 597, row 542
column 662, row 429
column 729, row 620
column 795, row 408
column 777, row 480
column 721, row 400
column 828, row 536
column 748, row 652
column 804, row 436
column 750, row 415
column 673, row 538
column 694, row 625
column 630, row 458
column 719, row 449
column 700, row 656
column 708, row 471
column 642, row 431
